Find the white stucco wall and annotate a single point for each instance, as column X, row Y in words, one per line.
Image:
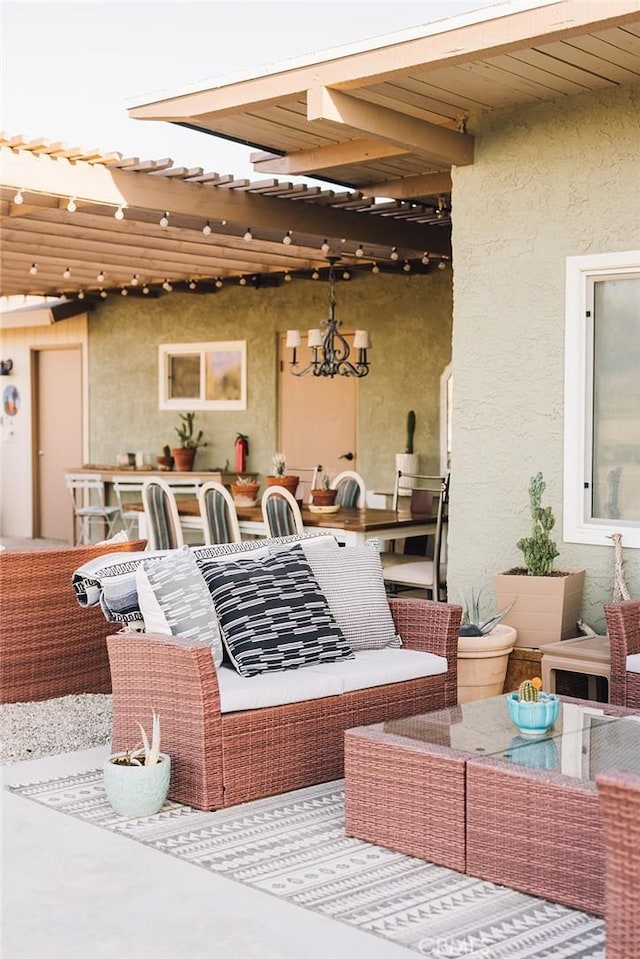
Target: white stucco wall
column 549, row 181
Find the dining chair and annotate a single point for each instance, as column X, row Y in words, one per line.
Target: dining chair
column 308, row 478
column 124, row 487
column 619, row 795
column 218, row 512
column 90, row 507
column 161, row 513
column 352, row 491
column 623, row 629
column 281, row 512
column 409, row 571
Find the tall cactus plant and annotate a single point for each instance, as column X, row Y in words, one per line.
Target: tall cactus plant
column 411, row 430
column 539, row 549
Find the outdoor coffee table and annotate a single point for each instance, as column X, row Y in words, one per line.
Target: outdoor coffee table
column 462, row 787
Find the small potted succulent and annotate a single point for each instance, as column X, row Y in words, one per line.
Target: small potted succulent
column 484, row 646
column 245, row 491
column 166, row 461
column 532, row 711
column 323, row 495
column 185, row 454
column 137, row 780
column 278, row 477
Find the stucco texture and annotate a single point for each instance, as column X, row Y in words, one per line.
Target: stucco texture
column 409, row 320
column 549, row 181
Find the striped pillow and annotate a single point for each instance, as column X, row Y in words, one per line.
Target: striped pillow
column 273, row 615
column 351, row 579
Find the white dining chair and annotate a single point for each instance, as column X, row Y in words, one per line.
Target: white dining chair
column 409, row 571
column 90, row 510
column 125, row 489
column 164, row 530
column 281, row 512
column 218, row 513
column 308, row 479
column 352, row 491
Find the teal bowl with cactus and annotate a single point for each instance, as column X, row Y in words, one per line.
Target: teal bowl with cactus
column 533, row 717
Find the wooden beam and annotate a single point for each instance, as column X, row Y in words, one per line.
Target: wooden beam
column 324, row 158
column 409, row 187
column 435, row 143
column 102, row 185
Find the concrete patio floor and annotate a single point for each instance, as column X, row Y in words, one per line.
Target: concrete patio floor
column 72, row 890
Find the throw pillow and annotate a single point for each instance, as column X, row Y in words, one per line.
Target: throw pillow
column 352, row 580
column 174, row 599
column 273, row 615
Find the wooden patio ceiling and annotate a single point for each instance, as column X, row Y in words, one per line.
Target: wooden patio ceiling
column 80, row 222
column 391, row 117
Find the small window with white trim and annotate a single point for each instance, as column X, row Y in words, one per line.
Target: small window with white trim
column 602, row 399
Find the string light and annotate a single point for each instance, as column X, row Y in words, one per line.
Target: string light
column 325, row 246
column 81, row 294
column 103, row 294
column 206, row 229
column 192, row 284
column 67, row 273
column 406, row 267
column 360, row 251
column 394, row 253
column 134, row 280
column 442, row 265
column 164, row 219
column 242, row 281
column 167, row 286
column 346, row 275
column 124, row 291
column 287, row 277
column 248, row 235
column 100, row 276
column 145, row 290
column 18, row 198
column 33, row 269
column 425, row 259
column 71, row 205
column 119, row 214
column 315, row 275
column 219, row 284
column 375, row 268
column 286, row 239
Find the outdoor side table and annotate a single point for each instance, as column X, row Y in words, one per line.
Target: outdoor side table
column 588, row 655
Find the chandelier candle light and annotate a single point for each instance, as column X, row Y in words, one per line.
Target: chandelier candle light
column 331, row 351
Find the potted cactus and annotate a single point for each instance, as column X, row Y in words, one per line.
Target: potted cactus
column 137, row 780
column 245, row 491
column 165, row 462
column 484, row 645
column 323, row 495
column 185, row 454
column 278, row 477
column 407, row 462
column 546, row 602
column 532, row 711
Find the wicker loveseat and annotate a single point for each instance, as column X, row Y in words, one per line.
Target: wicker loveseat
column 235, row 736
column 50, row 647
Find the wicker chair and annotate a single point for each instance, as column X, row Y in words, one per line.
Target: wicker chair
column 620, row 805
column 623, row 627
column 49, row 645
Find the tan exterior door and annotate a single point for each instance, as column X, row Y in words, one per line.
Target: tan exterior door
column 58, row 438
column 317, row 418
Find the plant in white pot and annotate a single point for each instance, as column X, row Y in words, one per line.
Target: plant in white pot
column 484, row 645
column 137, row 780
column 407, row 462
column 546, row 602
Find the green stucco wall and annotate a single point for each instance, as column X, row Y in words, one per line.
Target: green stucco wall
column 409, row 319
column 549, row 181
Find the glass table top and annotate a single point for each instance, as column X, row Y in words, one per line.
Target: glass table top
column 586, row 739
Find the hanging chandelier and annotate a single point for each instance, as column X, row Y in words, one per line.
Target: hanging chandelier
column 331, row 350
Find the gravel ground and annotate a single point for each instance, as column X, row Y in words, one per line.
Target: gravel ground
column 64, row 725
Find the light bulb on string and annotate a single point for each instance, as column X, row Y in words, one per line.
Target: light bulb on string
column 375, row 268
column 206, row 229
column 71, row 205
column 394, row 253
column 145, row 290
column 219, row 284
column 360, row 251
column 242, row 281
column 134, row 280
column 81, row 294
column 124, row 291
column 164, row 219
column 287, row 277
column 442, row 265
column 315, row 275
column 67, row 273
column 248, row 234
column 425, row 259
column 166, row 286
column 100, row 276
column 119, row 214
column 346, row 275
column 406, row 266
column 18, row 198
column 325, row 246
column 33, row 269
column 192, row 284
column 286, row 239
column 103, row 294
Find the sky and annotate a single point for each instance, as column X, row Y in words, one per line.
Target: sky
column 70, row 69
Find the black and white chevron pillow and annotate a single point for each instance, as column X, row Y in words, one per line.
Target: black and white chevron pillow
column 273, row 614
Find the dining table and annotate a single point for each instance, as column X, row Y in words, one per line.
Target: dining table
column 350, row 526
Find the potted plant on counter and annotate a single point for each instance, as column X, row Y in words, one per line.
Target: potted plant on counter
column 278, row 477
column 323, row 495
column 546, row 602
column 137, row 780
column 407, row 462
column 245, row 491
column 165, row 462
column 484, row 645
column 185, row 454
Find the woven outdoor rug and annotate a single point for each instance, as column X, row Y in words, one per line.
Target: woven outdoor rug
column 293, row 846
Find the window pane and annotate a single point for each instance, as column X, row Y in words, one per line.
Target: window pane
column 184, row 376
column 616, row 399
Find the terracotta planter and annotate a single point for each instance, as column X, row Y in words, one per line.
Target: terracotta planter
column 184, row 457
column 546, row 608
column 323, row 497
column 165, row 463
column 245, row 495
column 289, row 482
column 482, row 663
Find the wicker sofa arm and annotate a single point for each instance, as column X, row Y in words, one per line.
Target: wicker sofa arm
column 428, row 626
column 179, row 680
column 623, row 627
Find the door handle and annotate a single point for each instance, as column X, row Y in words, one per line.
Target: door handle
column 346, row 456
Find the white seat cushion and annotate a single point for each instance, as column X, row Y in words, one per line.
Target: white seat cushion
column 274, row 689
column 370, row 667
column 633, row 663
column 409, row 571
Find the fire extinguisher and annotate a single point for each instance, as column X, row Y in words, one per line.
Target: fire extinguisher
column 242, row 451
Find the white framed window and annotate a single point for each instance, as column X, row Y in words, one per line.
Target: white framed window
column 203, row 376
column 602, row 399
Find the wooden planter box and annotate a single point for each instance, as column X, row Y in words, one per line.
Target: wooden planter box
column 546, row 608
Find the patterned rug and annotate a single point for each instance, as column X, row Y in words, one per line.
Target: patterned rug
column 293, row 846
